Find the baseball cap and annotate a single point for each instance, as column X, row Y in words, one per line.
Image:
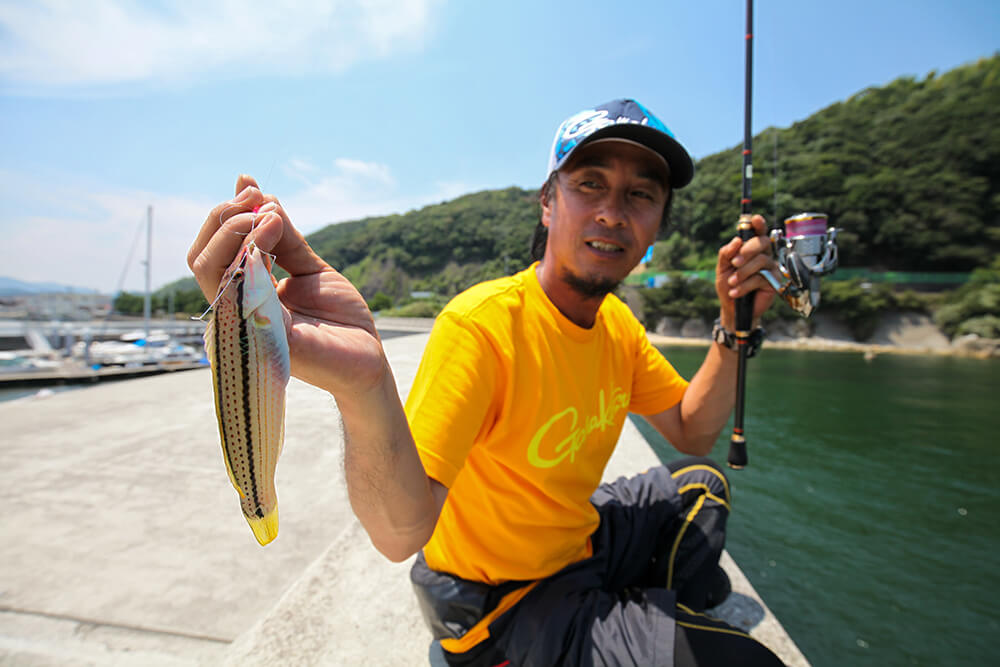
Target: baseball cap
column 622, row 119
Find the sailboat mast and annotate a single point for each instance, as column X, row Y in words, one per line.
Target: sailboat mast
column 149, row 253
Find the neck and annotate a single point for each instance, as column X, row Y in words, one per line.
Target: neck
column 578, row 309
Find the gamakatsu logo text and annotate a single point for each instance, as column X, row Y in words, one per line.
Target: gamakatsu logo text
column 564, row 434
column 587, row 122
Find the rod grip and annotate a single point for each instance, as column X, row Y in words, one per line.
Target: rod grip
column 744, row 304
column 737, row 458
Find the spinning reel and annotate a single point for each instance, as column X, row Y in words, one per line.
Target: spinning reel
column 806, row 250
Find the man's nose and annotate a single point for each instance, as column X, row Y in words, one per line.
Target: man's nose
column 612, row 211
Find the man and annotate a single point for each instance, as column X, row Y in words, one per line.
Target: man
column 492, row 472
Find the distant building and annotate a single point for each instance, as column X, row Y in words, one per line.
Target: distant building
column 56, row 306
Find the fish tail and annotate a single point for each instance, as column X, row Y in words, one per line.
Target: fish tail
column 265, row 528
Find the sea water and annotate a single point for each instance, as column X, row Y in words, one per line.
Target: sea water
column 867, row 518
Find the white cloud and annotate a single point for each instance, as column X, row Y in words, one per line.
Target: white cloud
column 353, row 189
column 299, row 169
column 364, row 170
column 58, row 43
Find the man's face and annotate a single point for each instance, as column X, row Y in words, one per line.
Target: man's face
column 603, row 214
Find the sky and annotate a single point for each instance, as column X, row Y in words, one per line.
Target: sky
column 351, row 108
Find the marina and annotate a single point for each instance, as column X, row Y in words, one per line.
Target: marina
column 73, row 373
column 60, row 334
column 55, row 353
column 71, row 347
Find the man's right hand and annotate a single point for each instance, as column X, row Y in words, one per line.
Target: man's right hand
column 331, row 333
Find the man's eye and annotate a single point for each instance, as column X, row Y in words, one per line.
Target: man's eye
column 642, row 194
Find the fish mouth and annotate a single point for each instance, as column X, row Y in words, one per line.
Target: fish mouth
column 238, row 270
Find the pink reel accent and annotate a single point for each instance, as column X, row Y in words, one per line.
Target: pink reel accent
column 805, row 227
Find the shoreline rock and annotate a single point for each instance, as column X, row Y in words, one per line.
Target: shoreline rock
column 984, row 349
column 897, row 333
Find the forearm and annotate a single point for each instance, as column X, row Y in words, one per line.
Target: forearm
column 388, row 489
column 709, row 400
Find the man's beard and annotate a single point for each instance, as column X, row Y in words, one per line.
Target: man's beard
column 590, row 287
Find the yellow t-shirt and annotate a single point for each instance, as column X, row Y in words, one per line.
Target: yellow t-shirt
column 516, row 410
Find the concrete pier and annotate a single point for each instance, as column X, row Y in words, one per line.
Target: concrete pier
column 124, row 543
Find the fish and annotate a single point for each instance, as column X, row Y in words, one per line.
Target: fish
column 247, row 347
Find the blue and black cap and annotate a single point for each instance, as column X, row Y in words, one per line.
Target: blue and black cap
column 626, row 120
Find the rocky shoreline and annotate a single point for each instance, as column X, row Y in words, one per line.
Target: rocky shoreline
column 897, row 333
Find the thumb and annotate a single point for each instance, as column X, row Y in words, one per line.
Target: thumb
column 244, row 181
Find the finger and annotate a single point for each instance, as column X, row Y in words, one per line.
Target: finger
column 758, row 246
column 727, row 253
column 244, row 181
column 211, row 263
column 755, row 282
column 759, row 225
column 248, row 198
column 724, row 266
column 752, row 267
column 290, row 248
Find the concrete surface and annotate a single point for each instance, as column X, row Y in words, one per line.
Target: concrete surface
column 124, row 543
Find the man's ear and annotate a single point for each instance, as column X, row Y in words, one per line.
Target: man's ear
column 546, row 200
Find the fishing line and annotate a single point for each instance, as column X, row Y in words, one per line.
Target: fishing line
column 249, row 247
column 121, row 279
column 131, row 252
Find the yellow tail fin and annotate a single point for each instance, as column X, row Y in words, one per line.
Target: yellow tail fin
column 265, row 529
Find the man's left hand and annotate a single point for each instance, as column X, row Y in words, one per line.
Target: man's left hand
column 737, row 273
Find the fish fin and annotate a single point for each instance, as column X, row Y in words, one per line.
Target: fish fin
column 232, row 477
column 209, row 337
column 264, row 529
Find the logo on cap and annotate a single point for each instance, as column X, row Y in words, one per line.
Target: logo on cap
column 576, row 129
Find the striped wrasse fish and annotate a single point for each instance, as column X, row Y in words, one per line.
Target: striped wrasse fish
column 247, row 347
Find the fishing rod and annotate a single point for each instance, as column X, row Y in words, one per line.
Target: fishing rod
column 804, row 249
column 744, row 305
